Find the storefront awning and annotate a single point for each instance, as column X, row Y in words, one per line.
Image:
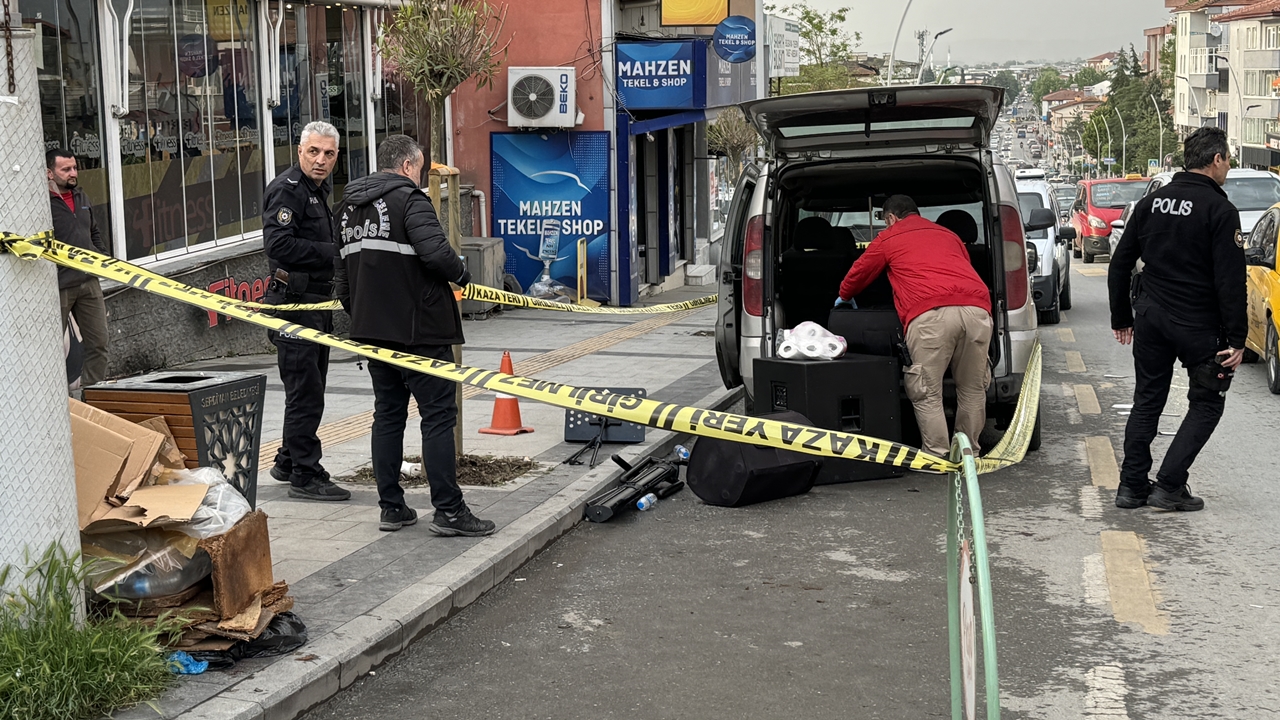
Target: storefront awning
column 384, row 4
column 668, row 121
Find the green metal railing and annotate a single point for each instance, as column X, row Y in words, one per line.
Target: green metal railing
column 967, row 543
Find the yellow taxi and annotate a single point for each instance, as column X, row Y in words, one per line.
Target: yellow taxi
column 1264, row 295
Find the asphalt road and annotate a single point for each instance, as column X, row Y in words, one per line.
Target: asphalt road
column 832, row 605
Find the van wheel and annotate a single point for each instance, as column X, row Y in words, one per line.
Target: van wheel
column 1088, row 258
column 1273, row 360
column 1052, row 316
column 1064, row 297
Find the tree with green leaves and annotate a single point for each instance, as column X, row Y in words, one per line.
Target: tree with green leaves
column 1144, row 121
column 928, row 75
column 1086, row 77
column 823, row 37
column 1007, row 80
column 439, row 44
column 1048, row 81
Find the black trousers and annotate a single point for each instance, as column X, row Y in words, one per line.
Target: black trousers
column 304, row 370
column 392, row 387
column 1157, row 342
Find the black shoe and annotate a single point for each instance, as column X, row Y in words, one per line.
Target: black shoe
column 393, row 520
column 1180, row 499
column 319, row 487
column 1129, row 497
column 464, row 523
column 280, row 473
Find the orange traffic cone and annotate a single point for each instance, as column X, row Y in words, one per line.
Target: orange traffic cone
column 506, row 409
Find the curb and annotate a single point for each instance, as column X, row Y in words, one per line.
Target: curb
column 322, row 668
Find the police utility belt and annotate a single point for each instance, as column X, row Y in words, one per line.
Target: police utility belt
column 296, row 284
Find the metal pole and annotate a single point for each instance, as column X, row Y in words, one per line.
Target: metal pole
column 37, row 473
column 1107, row 125
column 894, row 50
column 1124, row 146
column 929, row 54
column 1081, row 139
column 1161, row 122
column 1097, row 137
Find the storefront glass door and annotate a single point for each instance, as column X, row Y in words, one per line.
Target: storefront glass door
column 322, row 78
column 191, row 157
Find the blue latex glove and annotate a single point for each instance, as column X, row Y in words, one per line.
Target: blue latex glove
column 841, row 302
column 181, row 663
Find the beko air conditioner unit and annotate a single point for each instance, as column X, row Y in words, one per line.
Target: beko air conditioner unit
column 542, row 97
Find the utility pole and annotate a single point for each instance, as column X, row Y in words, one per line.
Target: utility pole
column 37, row 473
column 1161, row 122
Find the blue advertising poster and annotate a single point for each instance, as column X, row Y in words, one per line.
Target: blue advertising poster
column 660, row 75
column 735, row 39
column 558, row 176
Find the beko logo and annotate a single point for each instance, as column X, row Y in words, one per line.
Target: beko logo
column 564, row 92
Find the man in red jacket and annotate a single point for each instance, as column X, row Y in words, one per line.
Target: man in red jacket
column 946, row 310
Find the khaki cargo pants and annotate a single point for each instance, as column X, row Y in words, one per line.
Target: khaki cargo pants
column 953, row 337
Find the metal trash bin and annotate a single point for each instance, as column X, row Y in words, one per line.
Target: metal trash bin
column 215, row 417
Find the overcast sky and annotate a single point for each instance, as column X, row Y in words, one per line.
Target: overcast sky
column 999, row 30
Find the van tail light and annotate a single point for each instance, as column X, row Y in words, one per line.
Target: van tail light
column 1015, row 258
column 753, row 267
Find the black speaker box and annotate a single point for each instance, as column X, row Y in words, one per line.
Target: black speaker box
column 733, row 474
column 856, row 394
column 867, row 331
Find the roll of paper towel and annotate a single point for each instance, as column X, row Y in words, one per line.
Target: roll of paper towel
column 812, row 349
column 789, row 350
column 808, row 331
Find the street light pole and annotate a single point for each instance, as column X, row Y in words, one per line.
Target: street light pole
column 929, row 53
column 894, row 50
column 1081, row 139
column 1161, row 122
column 1097, row 136
column 1107, row 125
column 1124, row 146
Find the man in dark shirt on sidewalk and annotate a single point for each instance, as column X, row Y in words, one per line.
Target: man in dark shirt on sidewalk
column 393, row 276
column 1187, row 304
column 81, row 294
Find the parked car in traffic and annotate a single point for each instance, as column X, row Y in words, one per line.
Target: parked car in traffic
column 1050, row 266
column 1098, row 203
column 1251, row 191
column 1117, row 227
column 802, row 216
column 1263, row 339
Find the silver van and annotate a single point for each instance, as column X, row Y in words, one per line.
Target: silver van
column 801, row 216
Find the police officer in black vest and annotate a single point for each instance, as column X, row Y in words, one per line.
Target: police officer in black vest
column 298, row 237
column 1188, row 305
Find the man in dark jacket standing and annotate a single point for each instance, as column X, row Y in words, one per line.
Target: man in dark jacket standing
column 393, row 276
column 81, row 294
column 1188, row 304
column 297, row 234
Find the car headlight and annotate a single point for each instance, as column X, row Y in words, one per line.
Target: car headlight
column 1097, row 223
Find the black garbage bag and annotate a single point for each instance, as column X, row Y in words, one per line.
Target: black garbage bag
column 284, row 634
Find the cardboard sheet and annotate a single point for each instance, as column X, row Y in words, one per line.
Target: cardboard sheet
column 146, row 445
column 100, row 456
column 151, row 505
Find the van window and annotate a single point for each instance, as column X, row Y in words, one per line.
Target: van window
column 887, row 126
column 858, row 221
column 1028, row 202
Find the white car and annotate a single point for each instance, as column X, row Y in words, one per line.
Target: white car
column 1050, row 268
column 1253, row 192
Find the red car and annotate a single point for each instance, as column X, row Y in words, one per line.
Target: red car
column 1098, row 204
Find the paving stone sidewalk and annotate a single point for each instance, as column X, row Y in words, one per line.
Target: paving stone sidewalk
column 366, row 594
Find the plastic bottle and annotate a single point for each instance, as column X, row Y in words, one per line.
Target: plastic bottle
column 682, row 453
column 647, row 502
column 148, row 582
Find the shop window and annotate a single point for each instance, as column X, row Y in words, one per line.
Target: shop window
column 70, row 80
column 191, row 157
column 322, row 78
column 400, row 110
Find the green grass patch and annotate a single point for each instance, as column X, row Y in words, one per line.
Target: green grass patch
column 56, row 664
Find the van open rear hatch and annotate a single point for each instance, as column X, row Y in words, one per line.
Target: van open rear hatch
column 877, row 117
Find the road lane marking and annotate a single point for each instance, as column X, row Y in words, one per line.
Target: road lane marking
column 1075, row 362
column 1094, row 577
column 1102, row 462
column 1087, row 400
column 1129, row 582
column 1107, row 692
column 1066, row 335
column 1090, row 503
column 1092, row 272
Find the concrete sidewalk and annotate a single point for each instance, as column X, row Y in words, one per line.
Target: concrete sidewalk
column 365, row 595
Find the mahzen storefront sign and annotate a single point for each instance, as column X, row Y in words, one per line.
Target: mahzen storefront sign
column 662, row 75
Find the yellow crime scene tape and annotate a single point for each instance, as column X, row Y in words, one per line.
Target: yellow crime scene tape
column 643, row 411
column 482, row 293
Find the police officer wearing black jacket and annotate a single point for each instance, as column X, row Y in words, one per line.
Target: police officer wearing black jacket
column 392, row 276
column 298, row 237
column 1187, row 304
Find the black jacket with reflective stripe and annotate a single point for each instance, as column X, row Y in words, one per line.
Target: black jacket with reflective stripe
column 395, row 264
